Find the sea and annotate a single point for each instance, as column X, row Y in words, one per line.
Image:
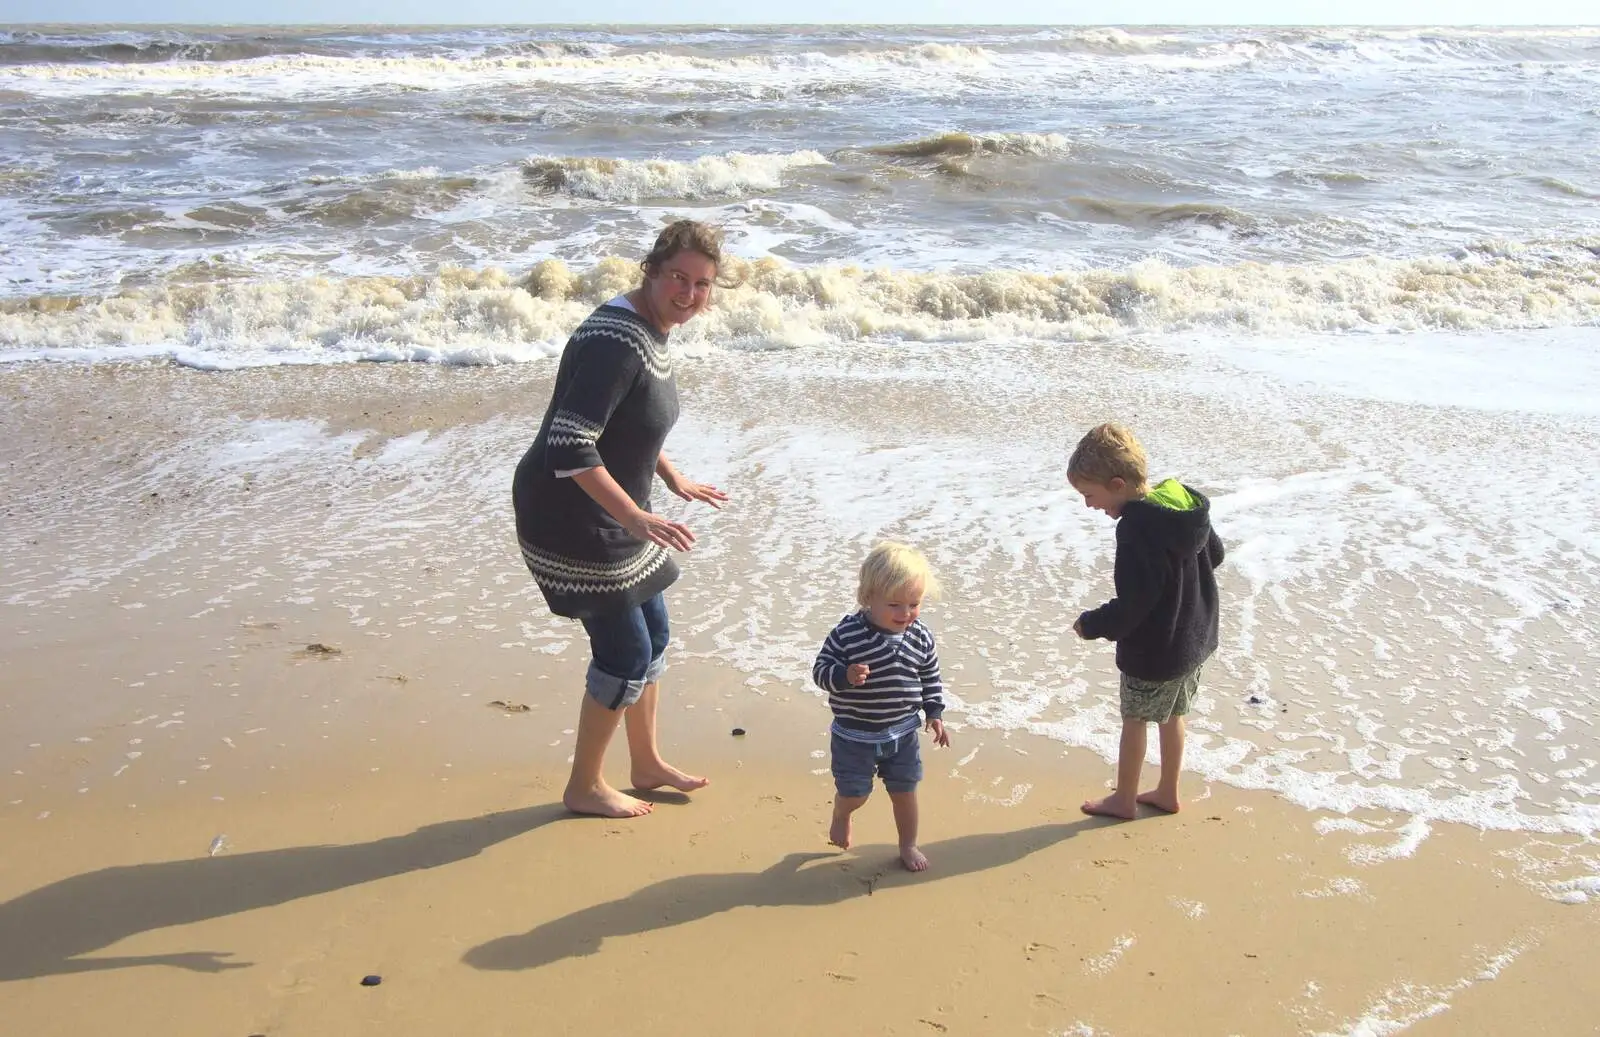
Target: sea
column 1344, row 281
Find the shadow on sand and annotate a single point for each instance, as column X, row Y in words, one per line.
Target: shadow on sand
column 688, row 898
column 42, row 933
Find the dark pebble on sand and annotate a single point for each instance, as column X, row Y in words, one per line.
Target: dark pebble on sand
column 1256, row 700
column 371, row 981
column 738, row 732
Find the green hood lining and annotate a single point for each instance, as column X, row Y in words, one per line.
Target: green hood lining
column 1172, row 495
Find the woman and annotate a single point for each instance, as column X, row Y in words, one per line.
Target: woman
column 582, row 496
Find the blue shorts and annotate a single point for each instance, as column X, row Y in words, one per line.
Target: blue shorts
column 630, row 651
column 898, row 763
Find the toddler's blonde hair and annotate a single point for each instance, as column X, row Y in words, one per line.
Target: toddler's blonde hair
column 1110, row 451
column 890, row 566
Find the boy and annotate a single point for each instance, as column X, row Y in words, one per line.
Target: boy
column 1164, row 617
column 880, row 669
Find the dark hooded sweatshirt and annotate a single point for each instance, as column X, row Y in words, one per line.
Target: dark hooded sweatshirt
column 1164, row 617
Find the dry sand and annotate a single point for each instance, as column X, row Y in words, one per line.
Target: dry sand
column 439, row 858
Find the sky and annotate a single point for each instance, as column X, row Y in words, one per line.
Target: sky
column 927, row 12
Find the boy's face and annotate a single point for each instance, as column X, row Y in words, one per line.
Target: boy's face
column 896, row 610
column 1107, row 497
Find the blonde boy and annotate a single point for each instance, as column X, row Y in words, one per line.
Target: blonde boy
column 880, row 670
column 1164, row 617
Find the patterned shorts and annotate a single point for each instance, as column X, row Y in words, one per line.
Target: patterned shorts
column 1159, row 701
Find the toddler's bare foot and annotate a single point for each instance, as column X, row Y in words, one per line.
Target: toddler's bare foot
column 839, row 831
column 602, row 800
column 1161, row 801
column 663, row 775
column 913, row 859
column 1112, row 806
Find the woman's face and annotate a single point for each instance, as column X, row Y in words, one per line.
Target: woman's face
column 680, row 288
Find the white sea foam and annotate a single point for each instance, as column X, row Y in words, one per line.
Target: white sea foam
column 317, row 73
column 1403, row 1006
column 1100, row 964
column 490, row 316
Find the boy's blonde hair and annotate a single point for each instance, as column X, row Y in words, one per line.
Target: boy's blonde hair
column 1110, row 451
column 891, row 566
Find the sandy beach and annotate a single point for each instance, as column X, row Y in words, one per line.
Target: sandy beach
column 225, row 798
column 449, row 868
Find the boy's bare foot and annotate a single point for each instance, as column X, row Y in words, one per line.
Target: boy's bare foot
column 663, row 775
column 1111, row 806
column 913, row 859
column 839, row 831
column 603, row 801
column 1160, row 801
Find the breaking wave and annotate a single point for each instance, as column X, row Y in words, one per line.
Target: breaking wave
column 629, row 180
column 491, row 316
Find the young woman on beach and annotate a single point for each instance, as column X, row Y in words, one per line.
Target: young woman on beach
column 582, row 499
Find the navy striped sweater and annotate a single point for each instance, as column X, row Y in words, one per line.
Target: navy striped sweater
column 903, row 677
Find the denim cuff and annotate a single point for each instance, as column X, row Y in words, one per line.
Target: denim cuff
column 657, row 667
column 612, row 692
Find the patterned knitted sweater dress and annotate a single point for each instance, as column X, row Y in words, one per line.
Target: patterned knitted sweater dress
column 614, row 402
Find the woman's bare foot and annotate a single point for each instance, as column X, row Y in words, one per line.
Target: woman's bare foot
column 913, row 859
column 839, row 831
column 1161, row 801
column 662, row 775
column 602, row 800
column 1112, row 806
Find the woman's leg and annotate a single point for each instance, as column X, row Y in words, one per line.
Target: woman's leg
column 620, row 644
column 650, row 771
column 587, row 791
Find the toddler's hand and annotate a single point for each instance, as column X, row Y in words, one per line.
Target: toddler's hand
column 937, row 727
column 1077, row 628
column 856, row 673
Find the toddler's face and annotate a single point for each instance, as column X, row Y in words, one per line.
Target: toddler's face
column 1106, row 497
column 896, row 610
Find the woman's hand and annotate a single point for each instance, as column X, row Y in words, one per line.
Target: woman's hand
column 687, row 488
column 696, row 492
column 702, row 492
column 647, row 525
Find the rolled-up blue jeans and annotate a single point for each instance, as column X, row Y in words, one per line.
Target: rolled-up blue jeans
column 629, row 650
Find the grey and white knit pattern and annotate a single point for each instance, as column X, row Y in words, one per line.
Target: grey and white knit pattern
column 630, row 331
column 558, row 573
column 574, row 430
column 612, row 405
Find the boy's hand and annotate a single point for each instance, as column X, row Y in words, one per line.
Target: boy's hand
column 856, row 673
column 936, row 725
column 1077, row 628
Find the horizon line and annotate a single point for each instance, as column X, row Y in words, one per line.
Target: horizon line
column 791, row 24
